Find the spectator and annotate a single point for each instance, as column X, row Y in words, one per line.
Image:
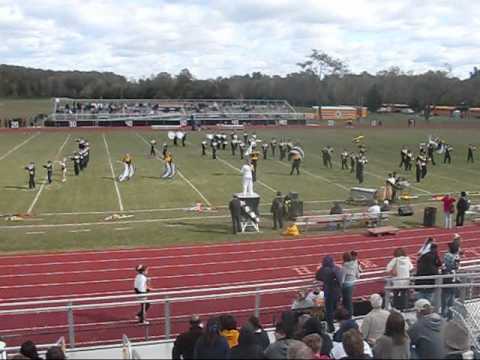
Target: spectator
column 211, row 345
column 314, row 326
column 428, row 265
column 457, row 341
column 331, row 277
column 346, row 323
column 400, row 267
column 395, row 343
column 350, row 273
column 373, row 325
column 247, row 347
column 185, row 343
column 316, row 296
column 352, row 347
column 375, row 211
column 457, row 242
column 261, row 336
column 448, row 210
column 463, row 204
column 300, row 351
column 425, row 248
column 279, row 349
column 302, row 302
column 426, row 333
column 314, row 342
column 229, row 331
column 29, row 349
column 451, row 262
column 55, row 353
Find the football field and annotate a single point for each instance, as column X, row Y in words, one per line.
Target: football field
column 156, row 212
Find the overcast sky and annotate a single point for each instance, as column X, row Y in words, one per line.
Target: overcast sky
column 224, row 37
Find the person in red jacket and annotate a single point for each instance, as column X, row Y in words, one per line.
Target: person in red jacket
column 448, row 210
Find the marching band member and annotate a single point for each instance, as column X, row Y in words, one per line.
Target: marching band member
column 245, row 138
column 214, row 149
column 273, row 145
column 447, row 157
column 164, row 150
column 247, row 180
column 327, row 152
column 408, row 160
column 49, row 167
column 430, row 152
column 344, row 159
column 169, row 166
column 233, row 146
column 87, row 153
column 31, row 175
column 360, row 166
column 128, row 168
column 471, row 149
column 184, row 139
column 254, row 161
column 81, row 155
column 204, row 148
column 242, row 149
column 265, row 150
column 283, row 151
column 76, row 163
column 296, row 161
column 63, row 167
column 403, row 156
column 353, row 161
column 175, row 140
column 153, row 151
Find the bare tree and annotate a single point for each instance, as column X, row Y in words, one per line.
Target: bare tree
column 321, row 64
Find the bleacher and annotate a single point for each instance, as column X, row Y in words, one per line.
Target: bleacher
column 162, row 112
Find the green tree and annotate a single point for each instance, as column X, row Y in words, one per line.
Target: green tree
column 374, row 98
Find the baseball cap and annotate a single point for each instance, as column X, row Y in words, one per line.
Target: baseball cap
column 422, row 304
column 456, row 236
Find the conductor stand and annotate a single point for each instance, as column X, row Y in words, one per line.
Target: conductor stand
column 250, row 214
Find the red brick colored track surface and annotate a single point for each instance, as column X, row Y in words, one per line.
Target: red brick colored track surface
column 45, row 277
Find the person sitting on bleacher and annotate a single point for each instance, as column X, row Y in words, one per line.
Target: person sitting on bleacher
column 301, row 301
column 373, row 325
column 185, row 343
column 374, row 210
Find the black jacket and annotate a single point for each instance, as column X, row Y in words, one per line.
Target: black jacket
column 185, row 343
column 429, row 264
column 462, row 204
column 235, row 207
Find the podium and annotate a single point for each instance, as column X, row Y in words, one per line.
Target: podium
column 250, row 211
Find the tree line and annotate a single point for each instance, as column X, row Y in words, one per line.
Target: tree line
column 320, row 80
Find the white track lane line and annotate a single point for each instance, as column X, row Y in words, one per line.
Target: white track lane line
column 204, row 198
column 319, row 237
column 117, row 190
column 18, row 146
column 218, row 273
column 238, row 170
column 35, row 200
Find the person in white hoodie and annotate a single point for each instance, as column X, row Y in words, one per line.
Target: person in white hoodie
column 400, row 267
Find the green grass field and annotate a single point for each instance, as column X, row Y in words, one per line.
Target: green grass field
column 72, row 215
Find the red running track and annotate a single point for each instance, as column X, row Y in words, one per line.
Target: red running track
column 41, row 277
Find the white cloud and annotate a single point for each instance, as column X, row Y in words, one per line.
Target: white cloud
column 224, row 37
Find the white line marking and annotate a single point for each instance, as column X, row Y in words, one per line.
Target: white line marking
column 117, row 190
column 238, row 170
column 123, row 228
column 318, row 177
column 59, row 152
column 80, row 231
column 182, row 176
column 19, row 146
column 35, row 232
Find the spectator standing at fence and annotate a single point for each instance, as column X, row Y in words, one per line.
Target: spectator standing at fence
column 395, row 343
column 331, row 276
column 448, row 210
column 261, row 336
column 142, row 287
column 211, row 345
column 400, row 267
column 429, row 264
column 373, row 325
column 451, row 263
column 350, row 274
column 185, row 343
column 426, row 335
column 463, row 204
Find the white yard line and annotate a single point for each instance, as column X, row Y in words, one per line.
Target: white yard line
column 35, row 233
column 318, row 177
column 35, row 200
column 80, row 231
column 117, row 190
column 238, row 170
column 204, row 198
column 18, row 146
